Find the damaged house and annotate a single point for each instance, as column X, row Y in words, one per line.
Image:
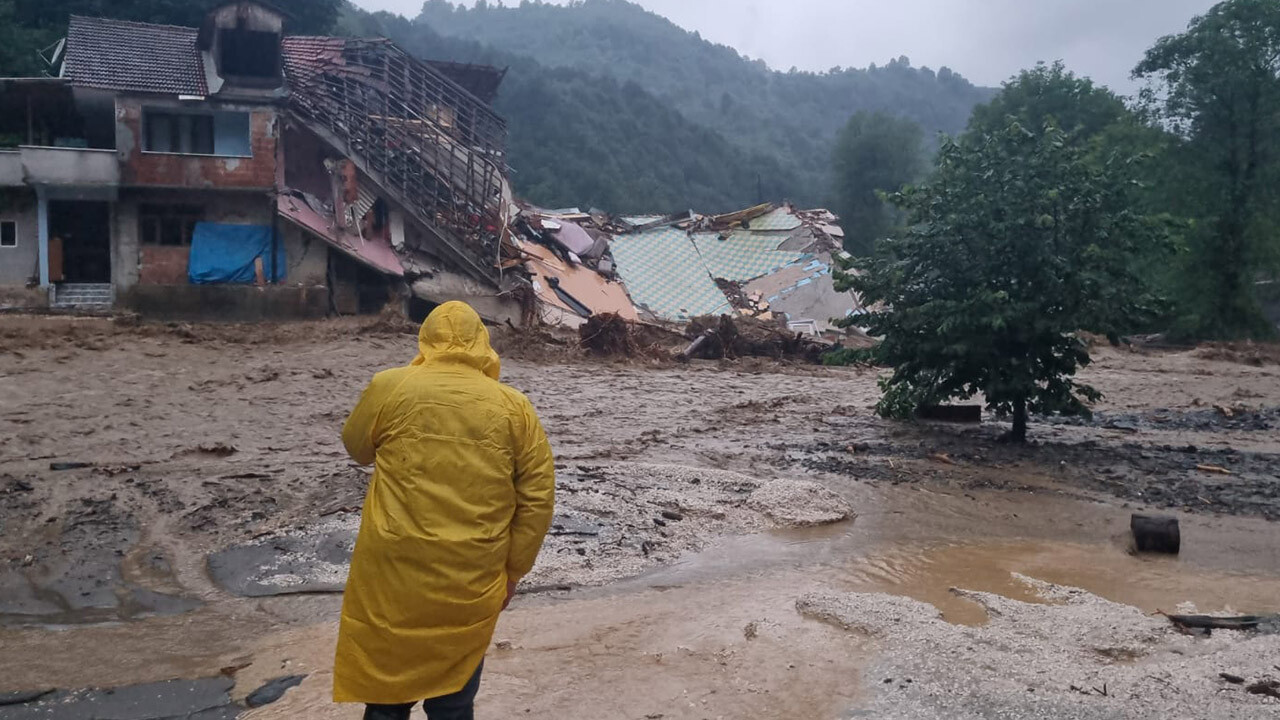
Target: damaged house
column 234, row 171
column 771, row 262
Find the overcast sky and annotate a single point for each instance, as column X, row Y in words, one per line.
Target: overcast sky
column 985, row 40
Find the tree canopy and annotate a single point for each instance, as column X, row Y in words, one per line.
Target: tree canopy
column 875, row 154
column 1217, row 86
column 1051, row 93
column 1018, row 242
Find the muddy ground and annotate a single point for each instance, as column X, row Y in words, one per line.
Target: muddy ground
column 175, row 503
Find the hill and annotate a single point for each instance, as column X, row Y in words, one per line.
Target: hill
column 582, row 139
column 791, row 117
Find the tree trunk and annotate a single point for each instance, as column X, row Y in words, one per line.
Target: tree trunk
column 1019, row 432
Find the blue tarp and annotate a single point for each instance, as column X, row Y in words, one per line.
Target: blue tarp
column 225, row 254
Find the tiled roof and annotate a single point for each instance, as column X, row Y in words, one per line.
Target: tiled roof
column 664, row 273
column 138, row 57
column 304, row 56
column 743, row 255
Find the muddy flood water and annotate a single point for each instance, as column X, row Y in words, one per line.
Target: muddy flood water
column 975, row 580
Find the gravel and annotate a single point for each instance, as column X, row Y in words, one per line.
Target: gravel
column 1075, row 657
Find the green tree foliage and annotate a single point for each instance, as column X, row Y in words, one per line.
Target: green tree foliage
column 1017, row 243
column 790, row 117
column 1218, row 87
column 1052, row 93
column 875, row 154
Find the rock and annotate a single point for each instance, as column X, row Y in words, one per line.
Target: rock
column 799, row 503
column 273, row 690
column 1156, row 534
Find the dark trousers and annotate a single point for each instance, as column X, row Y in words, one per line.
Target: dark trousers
column 458, row 706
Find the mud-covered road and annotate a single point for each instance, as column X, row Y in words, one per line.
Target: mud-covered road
column 693, row 503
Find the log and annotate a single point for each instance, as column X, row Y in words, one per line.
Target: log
column 1210, row 622
column 1156, row 534
column 951, row 413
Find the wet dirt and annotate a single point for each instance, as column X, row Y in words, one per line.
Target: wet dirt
column 200, row 439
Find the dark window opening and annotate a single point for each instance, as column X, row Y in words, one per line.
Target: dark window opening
column 250, row 53
column 172, row 225
column 188, row 134
column 217, row 133
column 8, row 234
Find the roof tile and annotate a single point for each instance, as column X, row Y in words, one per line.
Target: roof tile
column 131, row 56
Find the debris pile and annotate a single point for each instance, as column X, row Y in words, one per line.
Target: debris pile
column 729, row 337
column 607, row 334
column 770, row 262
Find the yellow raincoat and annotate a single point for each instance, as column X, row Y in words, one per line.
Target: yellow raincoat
column 460, row 500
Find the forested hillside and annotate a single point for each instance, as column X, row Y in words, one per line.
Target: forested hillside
column 607, row 104
column 793, row 117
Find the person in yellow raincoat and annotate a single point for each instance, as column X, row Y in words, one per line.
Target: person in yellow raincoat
column 461, row 498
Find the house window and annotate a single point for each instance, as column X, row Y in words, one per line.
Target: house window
column 250, row 54
column 168, row 224
column 212, row 133
column 8, row 234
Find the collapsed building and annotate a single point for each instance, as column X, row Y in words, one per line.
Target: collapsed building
column 771, row 262
column 234, row 171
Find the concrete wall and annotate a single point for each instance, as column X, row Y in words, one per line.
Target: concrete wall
column 307, row 259
column 19, row 265
column 76, row 167
column 174, row 170
column 237, row 303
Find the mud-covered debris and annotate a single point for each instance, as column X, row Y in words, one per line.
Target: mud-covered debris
column 22, row 697
column 263, row 375
column 216, row 449
column 1263, row 624
column 1156, row 534
column 61, row 466
column 731, row 337
column 1270, row 688
column 273, row 690
column 607, row 334
column 799, row 503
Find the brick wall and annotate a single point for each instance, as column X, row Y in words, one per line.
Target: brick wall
column 194, row 171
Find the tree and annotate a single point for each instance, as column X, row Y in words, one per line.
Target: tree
column 1016, row 244
column 1218, row 86
column 876, row 153
column 1051, row 93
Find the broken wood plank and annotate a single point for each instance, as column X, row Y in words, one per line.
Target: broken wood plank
column 1214, row 469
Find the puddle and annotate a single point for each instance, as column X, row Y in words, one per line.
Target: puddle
column 1148, row 583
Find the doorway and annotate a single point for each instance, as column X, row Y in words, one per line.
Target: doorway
column 80, row 242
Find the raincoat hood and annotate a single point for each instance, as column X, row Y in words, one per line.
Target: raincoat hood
column 454, row 333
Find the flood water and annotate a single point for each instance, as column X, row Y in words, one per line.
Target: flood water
column 716, row 633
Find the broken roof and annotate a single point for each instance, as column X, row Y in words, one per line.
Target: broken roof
column 138, row 57
column 665, row 274
column 742, row 255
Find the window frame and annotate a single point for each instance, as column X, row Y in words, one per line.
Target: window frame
column 153, row 236
column 16, row 242
column 149, row 115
